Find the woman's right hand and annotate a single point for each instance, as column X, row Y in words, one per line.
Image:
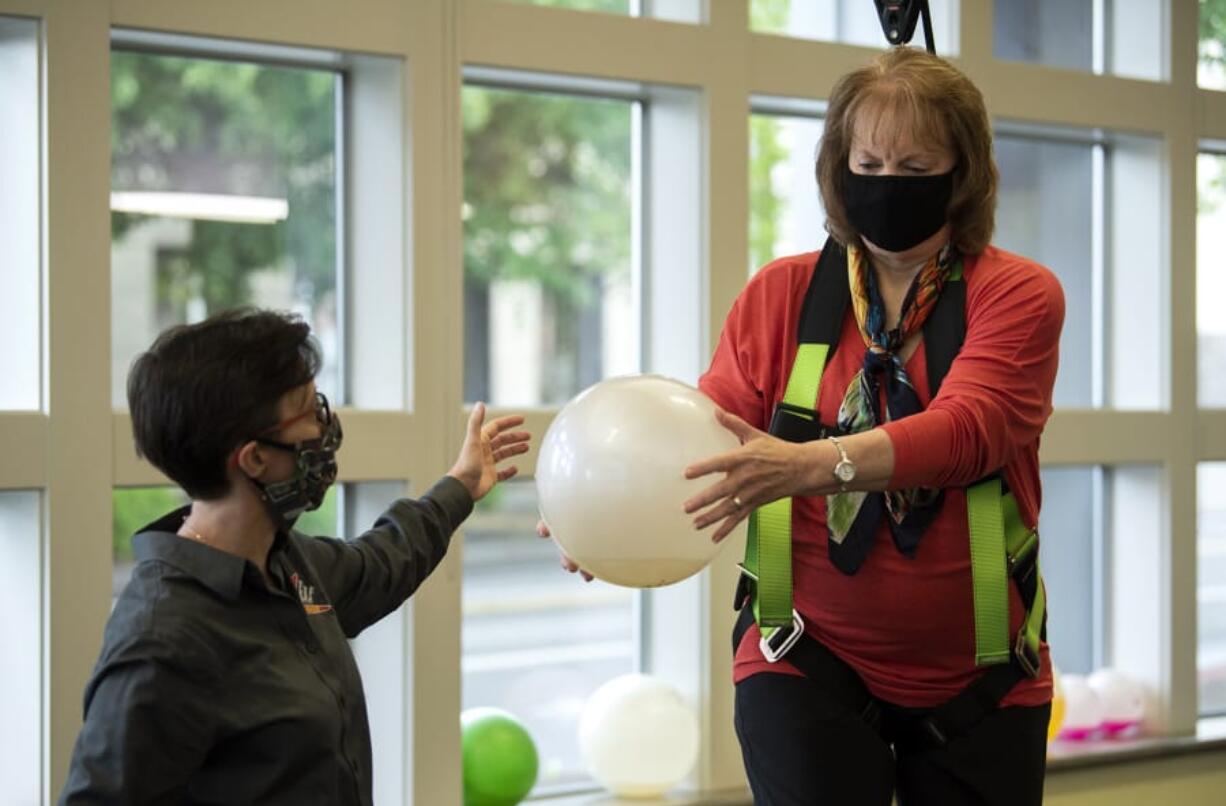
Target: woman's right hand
column 570, row 565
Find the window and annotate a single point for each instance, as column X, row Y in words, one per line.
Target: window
column 1211, row 279
column 1033, row 174
column 536, row 641
column 1120, row 37
column 1211, row 71
column 1086, row 207
column 1071, row 526
column 21, row 623
column 785, row 211
column 549, row 209
column 1211, row 586
column 224, row 193
column 20, row 207
column 849, row 21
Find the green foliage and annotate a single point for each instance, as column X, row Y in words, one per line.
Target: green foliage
column 190, row 124
column 546, row 189
column 765, row 206
column 1213, row 29
column 769, row 15
column 133, row 508
column 322, row 522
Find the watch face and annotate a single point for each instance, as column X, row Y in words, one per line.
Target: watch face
column 845, row 471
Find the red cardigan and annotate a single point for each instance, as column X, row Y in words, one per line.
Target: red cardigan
column 907, row 625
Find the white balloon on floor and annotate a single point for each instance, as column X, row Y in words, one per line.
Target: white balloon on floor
column 638, row 736
column 611, row 483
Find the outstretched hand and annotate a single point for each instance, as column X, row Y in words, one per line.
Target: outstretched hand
column 763, row 469
column 486, row 445
column 570, row 565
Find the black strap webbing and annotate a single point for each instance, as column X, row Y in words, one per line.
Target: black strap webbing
column 826, row 301
column 944, row 332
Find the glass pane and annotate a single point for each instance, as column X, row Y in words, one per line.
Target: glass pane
column 1121, row 37
column 785, row 209
column 537, row 642
column 854, row 22
column 133, row 508
column 223, row 179
column 1211, row 586
column 1211, row 279
column 1069, row 526
column 20, row 203
column 1057, row 33
column 1211, row 72
column 1045, row 211
column 21, row 624
column 383, row 655
column 547, row 245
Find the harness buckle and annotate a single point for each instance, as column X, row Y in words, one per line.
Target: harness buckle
column 1026, row 656
column 778, row 641
column 743, row 592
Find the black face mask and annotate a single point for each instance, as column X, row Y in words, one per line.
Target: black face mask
column 897, row 213
column 314, row 471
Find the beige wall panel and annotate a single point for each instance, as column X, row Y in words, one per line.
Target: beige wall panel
column 1211, row 436
column 24, row 437
column 25, row 8
column 437, row 282
column 368, row 26
column 501, row 34
column 800, row 68
column 1094, row 437
column 1211, row 120
column 1191, row 780
column 1037, row 94
column 78, row 499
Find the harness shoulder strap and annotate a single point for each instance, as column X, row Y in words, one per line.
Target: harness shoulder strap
column 945, row 330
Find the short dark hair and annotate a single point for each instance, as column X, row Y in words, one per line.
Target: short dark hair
column 911, row 87
column 201, row 390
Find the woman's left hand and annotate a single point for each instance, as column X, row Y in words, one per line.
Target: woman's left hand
column 763, row 469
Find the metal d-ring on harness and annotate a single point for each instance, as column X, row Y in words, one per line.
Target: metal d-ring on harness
column 1002, row 547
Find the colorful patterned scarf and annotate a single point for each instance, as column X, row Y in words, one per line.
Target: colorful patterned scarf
column 854, row 517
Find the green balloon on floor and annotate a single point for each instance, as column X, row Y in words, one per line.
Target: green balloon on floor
column 499, row 758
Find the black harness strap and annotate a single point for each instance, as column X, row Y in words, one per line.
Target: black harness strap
column 821, row 322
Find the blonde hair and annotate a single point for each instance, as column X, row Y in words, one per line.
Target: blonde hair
column 914, row 91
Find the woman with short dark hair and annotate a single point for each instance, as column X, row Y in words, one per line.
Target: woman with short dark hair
column 225, row 674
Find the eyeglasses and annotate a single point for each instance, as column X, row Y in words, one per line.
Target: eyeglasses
column 329, row 440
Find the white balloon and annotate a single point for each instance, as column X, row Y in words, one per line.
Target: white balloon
column 638, row 736
column 1083, row 711
column 611, row 479
column 1122, row 698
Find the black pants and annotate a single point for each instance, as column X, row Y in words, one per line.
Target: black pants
column 804, row 748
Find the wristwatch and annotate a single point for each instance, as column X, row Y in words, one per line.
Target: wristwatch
column 845, row 470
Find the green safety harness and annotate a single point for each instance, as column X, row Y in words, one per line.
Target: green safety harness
column 1002, row 547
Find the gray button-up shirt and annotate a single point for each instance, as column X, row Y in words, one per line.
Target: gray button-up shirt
column 212, row 688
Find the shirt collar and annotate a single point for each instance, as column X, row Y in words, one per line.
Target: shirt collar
column 217, row 570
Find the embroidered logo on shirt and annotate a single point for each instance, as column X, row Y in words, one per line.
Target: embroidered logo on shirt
column 306, row 595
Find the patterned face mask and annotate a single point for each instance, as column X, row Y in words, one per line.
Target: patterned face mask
column 314, row 469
